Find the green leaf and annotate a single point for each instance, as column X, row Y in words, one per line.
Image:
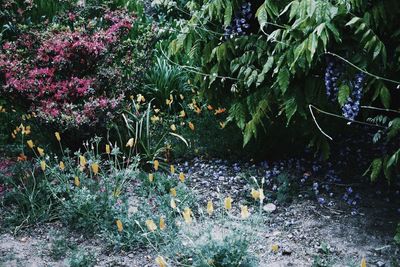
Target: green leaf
column 290, row 108
column 352, row 21
column 228, row 14
column 283, row 79
column 385, row 96
column 376, row 167
column 344, row 93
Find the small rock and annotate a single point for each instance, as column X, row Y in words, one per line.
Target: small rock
column 380, row 264
column 270, row 207
column 130, row 255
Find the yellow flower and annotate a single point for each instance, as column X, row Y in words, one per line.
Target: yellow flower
column 58, row 137
column 162, row 223
column 210, row 208
column 173, row 203
column 95, row 168
column 156, row 110
column 181, row 96
column 172, row 191
column 151, row 225
column 363, row 262
column 173, row 127
column 154, row 118
column 156, row 164
column 168, row 102
column 140, row 98
column 130, row 142
column 182, row 177
column 191, row 126
column 13, row 135
column 244, row 212
column 197, row 109
column 151, row 177
column 222, row 124
column 43, row 165
column 119, row 225
column 187, row 215
column 172, row 167
column 209, row 107
column 228, row 203
column 261, row 191
column 62, row 166
column 255, row 194
column 76, row 181
column 108, row 150
column 30, row 143
column 274, row 248
column 219, row 111
column 27, row 130
column 161, row 262
column 182, row 114
column 40, row 151
column 82, row 161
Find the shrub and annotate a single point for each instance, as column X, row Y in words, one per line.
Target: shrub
column 74, row 73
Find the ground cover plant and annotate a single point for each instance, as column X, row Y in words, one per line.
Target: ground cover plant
column 199, row 133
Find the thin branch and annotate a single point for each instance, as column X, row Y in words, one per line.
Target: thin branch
column 381, row 109
column 316, row 123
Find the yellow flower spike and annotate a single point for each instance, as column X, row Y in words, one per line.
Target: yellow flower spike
column 82, row 161
column 120, row 227
column 182, row 114
column 255, row 194
column 156, row 164
column 161, row 261
column 191, row 126
column 172, row 167
column 95, row 168
column 244, row 212
column 151, row 226
column 363, row 262
column 182, row 177
column 40, row 151
column 130, row 142
column 210, row 207
column 58, row 136
column 30, row 144
column 77, row 182
column 151, row 177
column 172, row 191
column 43, row 165
column 187, row 215
column 274, row 248
column 162, row 223
column 173, row 203
column 173, row 127
column 62, row 165
column 228, row 203
column 108, row 149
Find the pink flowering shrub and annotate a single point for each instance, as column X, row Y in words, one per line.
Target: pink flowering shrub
column 74, row 74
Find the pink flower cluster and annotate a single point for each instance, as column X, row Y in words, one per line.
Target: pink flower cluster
column 54, row 73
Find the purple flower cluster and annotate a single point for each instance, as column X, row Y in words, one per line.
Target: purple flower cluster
column 333, row 72
column 352, row 107
column 240, row 23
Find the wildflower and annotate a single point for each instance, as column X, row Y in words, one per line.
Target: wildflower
column 27, row 130
column 130, row 142
column 255, row 194
column 154, row 118
column 13, row 135
column 58, row 137
column 140, row 98
column 187, row 215
column 161, row 262
column 363, row 262
column 62, row 165
column 22, row 157
column 222, row 124
column 172, row 191
column 156, row 110
column 210, row 207
column 219, row 111
column 191, row 126
column 182, row 114
column 197, row 109
column 95, row 168
column 151, row 177
column 108, row 150
column 182, row 177
column 76, row 181
column 172, row 167
column 162, row 223
column 181, row 96
column 173, row 203
column 261, row 191
column 82, row 161
column 274, row 248
column 168, row 102
column 173, row 127
column 119, row 225
column 156, row 164
column 151, row 225
column 228, row 203
column 30, row 144
column 43, row 165
column 209, row 107
column 244, row 212
column 40, row 151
